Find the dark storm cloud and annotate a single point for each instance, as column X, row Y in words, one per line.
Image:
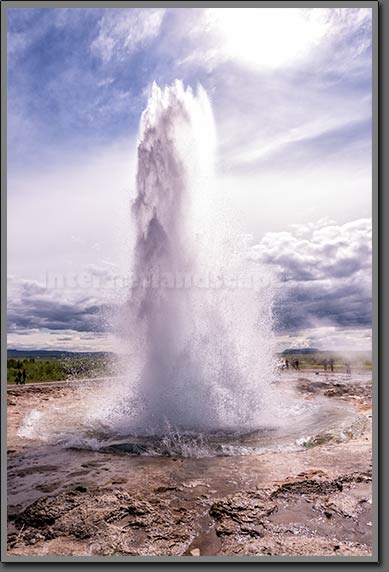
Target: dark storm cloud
column 339, row 303
column 324, row 275
column 32, row 306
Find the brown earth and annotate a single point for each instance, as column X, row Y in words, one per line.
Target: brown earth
column 313, row 501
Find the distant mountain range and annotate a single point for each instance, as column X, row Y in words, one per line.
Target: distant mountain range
column 11, row 353
column 301, row 351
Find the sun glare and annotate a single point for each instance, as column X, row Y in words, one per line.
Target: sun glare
column 267, row 38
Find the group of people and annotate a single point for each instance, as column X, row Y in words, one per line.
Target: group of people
column 21, row 377
column 327, row 365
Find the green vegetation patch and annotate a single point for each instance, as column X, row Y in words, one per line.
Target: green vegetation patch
column 40, row 369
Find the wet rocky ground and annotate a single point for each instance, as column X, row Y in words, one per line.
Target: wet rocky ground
column 312, row 501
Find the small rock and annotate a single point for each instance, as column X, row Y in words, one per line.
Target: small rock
column 119, row 480
column 195, row 552
column 81, row 489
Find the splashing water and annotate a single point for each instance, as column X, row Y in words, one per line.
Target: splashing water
column 196, row 325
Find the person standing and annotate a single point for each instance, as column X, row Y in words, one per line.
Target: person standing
column 348, row 367
column 24, row 376
column 331, row 362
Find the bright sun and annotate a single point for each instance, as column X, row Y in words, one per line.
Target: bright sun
column 267, row 38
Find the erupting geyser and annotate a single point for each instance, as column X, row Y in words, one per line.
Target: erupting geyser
column 194, row 326
column 198, row 320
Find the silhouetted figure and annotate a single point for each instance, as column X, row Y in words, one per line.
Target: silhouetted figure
column 18, row 377
column 331, row 362
column 325, row 364
column 348, row 367
column 24, row 376
column 296, row 364
column 287, row 364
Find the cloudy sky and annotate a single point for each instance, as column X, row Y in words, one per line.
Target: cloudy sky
column 291, row 94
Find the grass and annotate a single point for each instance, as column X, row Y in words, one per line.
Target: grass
column 56, row 369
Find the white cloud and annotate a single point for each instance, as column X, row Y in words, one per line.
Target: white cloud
column 318, row 251
column 264, row 148
column 124, row 31
column 324, row 273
